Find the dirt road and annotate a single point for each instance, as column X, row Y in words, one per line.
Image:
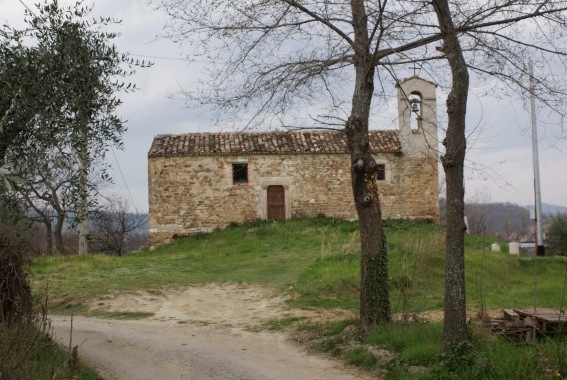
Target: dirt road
column 195, row 333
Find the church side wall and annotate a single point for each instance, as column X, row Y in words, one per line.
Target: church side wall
column 188, row 195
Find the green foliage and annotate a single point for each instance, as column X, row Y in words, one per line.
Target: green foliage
column 9, row 179
column 61, row 72
column 556, row 235
column 60, row 78
column 458, row 356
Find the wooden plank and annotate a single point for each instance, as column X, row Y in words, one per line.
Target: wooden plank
column 511, row 315
column 531, row 322
column 539, row 311
column 547, row 315
column 552, row 319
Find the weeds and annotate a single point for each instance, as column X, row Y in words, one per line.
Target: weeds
column 280, row 324
column 27, row 353
column 330, row 345
column 360, row 357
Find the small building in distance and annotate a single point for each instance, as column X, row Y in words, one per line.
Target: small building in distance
column 202, row 181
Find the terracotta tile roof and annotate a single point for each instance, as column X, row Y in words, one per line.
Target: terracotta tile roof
column 303, row 142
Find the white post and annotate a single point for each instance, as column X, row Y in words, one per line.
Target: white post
column 83, row 227
column 540, row 250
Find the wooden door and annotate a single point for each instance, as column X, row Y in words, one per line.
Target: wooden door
column 276, row 202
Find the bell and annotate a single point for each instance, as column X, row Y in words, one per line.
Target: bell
column 415, row 108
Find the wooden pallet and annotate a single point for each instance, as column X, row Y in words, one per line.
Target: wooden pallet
column 546, row 321
column 528, row 325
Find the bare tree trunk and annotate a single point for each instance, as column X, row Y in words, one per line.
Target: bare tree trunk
column 49, row 238
column 59, row 233
column 374, row 293
column 454, row 328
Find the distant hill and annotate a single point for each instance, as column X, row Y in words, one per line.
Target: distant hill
column 507, row 221
column 550, row 209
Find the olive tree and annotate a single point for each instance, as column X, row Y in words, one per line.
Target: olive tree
column 58, row 82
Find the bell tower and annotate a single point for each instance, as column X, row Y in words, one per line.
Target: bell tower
column 417, row 115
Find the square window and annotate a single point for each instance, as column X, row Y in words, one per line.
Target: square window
column 239, row 174
column 381, row 172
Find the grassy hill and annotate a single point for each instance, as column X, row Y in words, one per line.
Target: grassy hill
column 317, row 262
column 317, row 259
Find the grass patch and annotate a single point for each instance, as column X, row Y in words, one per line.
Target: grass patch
column 116, row 314
column 335, row 328
column 331, row 345
column 416, row 343
column 360, row 357
column 265, row 253
column 329, row 282
column 280, row 324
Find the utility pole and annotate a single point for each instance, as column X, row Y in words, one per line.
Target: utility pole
column 540, row 249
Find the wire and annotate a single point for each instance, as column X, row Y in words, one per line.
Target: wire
column 158, row 57
column 28, row 8
column 123, row 179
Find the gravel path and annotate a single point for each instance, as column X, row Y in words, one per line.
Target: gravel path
column 180, row 344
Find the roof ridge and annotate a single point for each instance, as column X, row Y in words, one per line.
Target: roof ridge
column 266, row 142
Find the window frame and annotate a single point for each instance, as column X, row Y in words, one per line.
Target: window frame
column 240, row 174
column 380, row 169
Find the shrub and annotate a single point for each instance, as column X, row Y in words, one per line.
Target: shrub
column 15, row 292
column 557, row 234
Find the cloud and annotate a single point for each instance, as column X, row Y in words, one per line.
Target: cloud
column 499, row 128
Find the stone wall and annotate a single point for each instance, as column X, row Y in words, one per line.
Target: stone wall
column 196, row 194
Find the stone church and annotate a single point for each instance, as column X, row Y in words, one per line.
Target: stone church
column 201, row 181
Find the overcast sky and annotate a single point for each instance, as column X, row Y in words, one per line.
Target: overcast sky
column 500, row 162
